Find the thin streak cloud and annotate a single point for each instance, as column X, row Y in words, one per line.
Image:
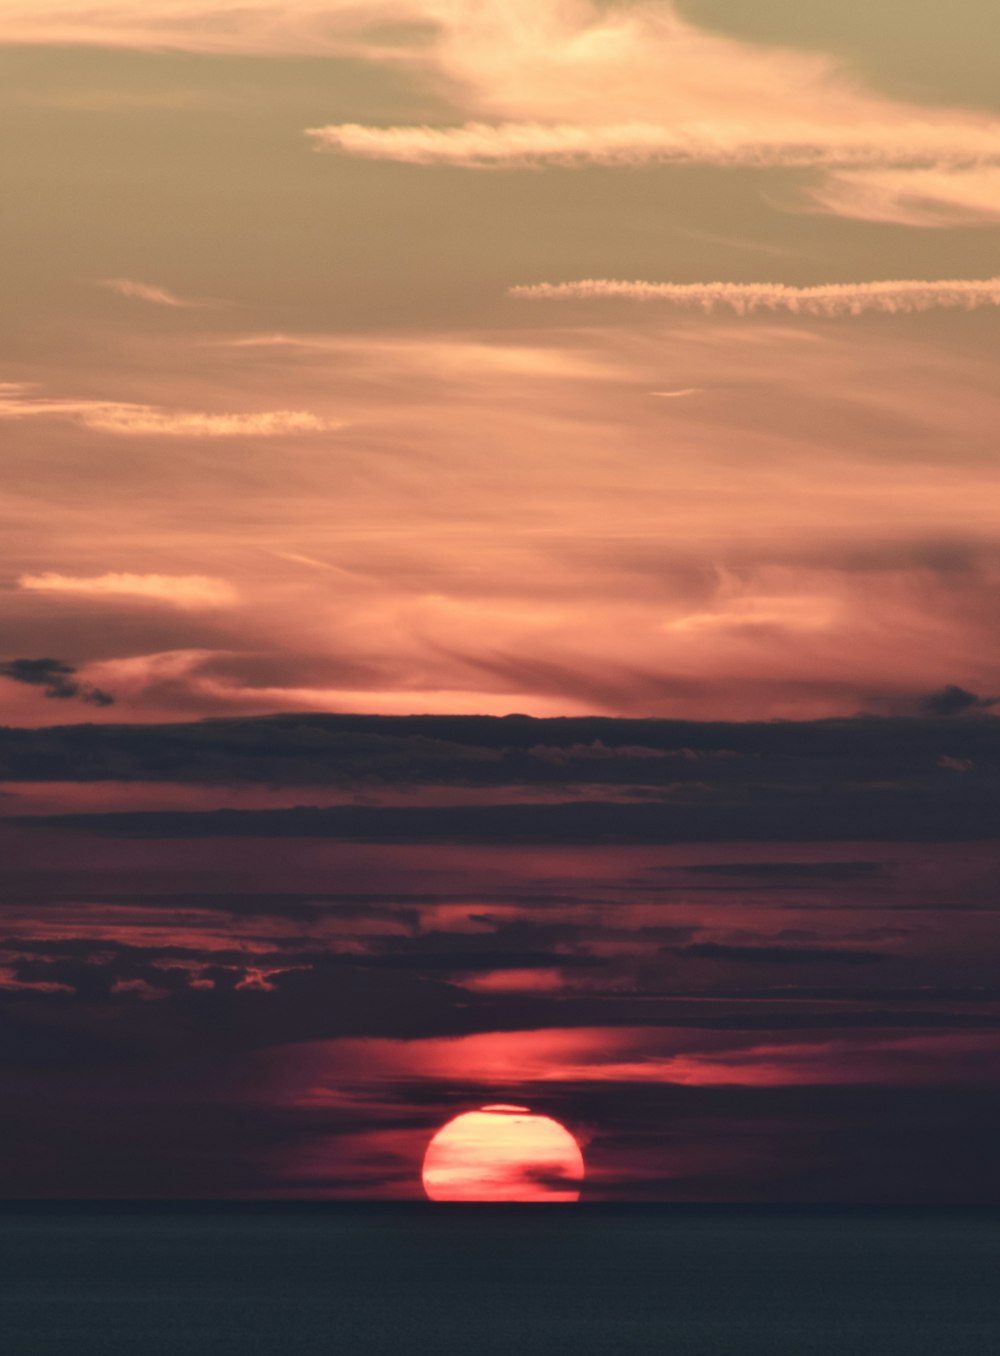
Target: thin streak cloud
column 140, row 291
column 784, row 143
column 143, row 420
column 253, row 27
column 183, row 590
column 890, row 297
column 120, row 417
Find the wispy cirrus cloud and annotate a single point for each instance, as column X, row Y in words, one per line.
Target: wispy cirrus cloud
column 892, row 297
column 183, row 590
column 284, row 27
column 494, row 576
column 122, row 417
column 913, row 197
column 140, row 291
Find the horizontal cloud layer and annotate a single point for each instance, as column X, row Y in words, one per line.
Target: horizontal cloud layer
column 612, row 781
column 898, row 297
column 752, row 143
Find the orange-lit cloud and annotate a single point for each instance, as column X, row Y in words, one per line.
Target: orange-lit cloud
column 572, row 82
column 893, row 297
column 938, row 196
column 141, row 420
column 568, row 81
column 480, row 145
column 118, row 417
column 190, row 590
column 256, row 26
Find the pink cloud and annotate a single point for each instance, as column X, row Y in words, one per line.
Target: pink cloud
column 685, row 1057
column 186, row 590
column 514, row 524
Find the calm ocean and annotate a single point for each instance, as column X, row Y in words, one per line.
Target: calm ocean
column 612, row 1281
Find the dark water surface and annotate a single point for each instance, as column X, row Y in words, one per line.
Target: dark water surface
column 155, row 1281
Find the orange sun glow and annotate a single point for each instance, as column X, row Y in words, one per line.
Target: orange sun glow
column 503, row 1153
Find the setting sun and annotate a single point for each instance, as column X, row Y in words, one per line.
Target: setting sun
column 503, row 1153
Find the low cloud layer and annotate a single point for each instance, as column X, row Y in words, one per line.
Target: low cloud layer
column 569, row 782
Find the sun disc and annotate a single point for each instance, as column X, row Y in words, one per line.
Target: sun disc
column 503, row 1153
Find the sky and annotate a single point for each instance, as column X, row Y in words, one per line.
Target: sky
column 499, row 598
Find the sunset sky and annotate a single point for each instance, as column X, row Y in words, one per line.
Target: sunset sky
column 621, row 374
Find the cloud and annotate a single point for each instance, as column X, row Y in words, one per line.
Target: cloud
column 123, row 418
column 479, row 145
column 56, row 678
column 569, row 81
column 956, row 701
column 777, row 955
column 257, row 27
column 144, row 420
column 881, row 780
column 572, row 82
column 870, row 813
column 304, row 750
column 935, row 197
column 184, row 590
column 891, row 297
column 138, row 291
column 790, row 871
column 478, row 573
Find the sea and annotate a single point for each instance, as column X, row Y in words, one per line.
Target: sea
column 296, row 1279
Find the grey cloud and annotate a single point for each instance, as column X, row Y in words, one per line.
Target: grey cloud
column 337, row 750
column 57, row 680
column 790, row 871
column 957, row 701
column 778, row 955
column 865, row 813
